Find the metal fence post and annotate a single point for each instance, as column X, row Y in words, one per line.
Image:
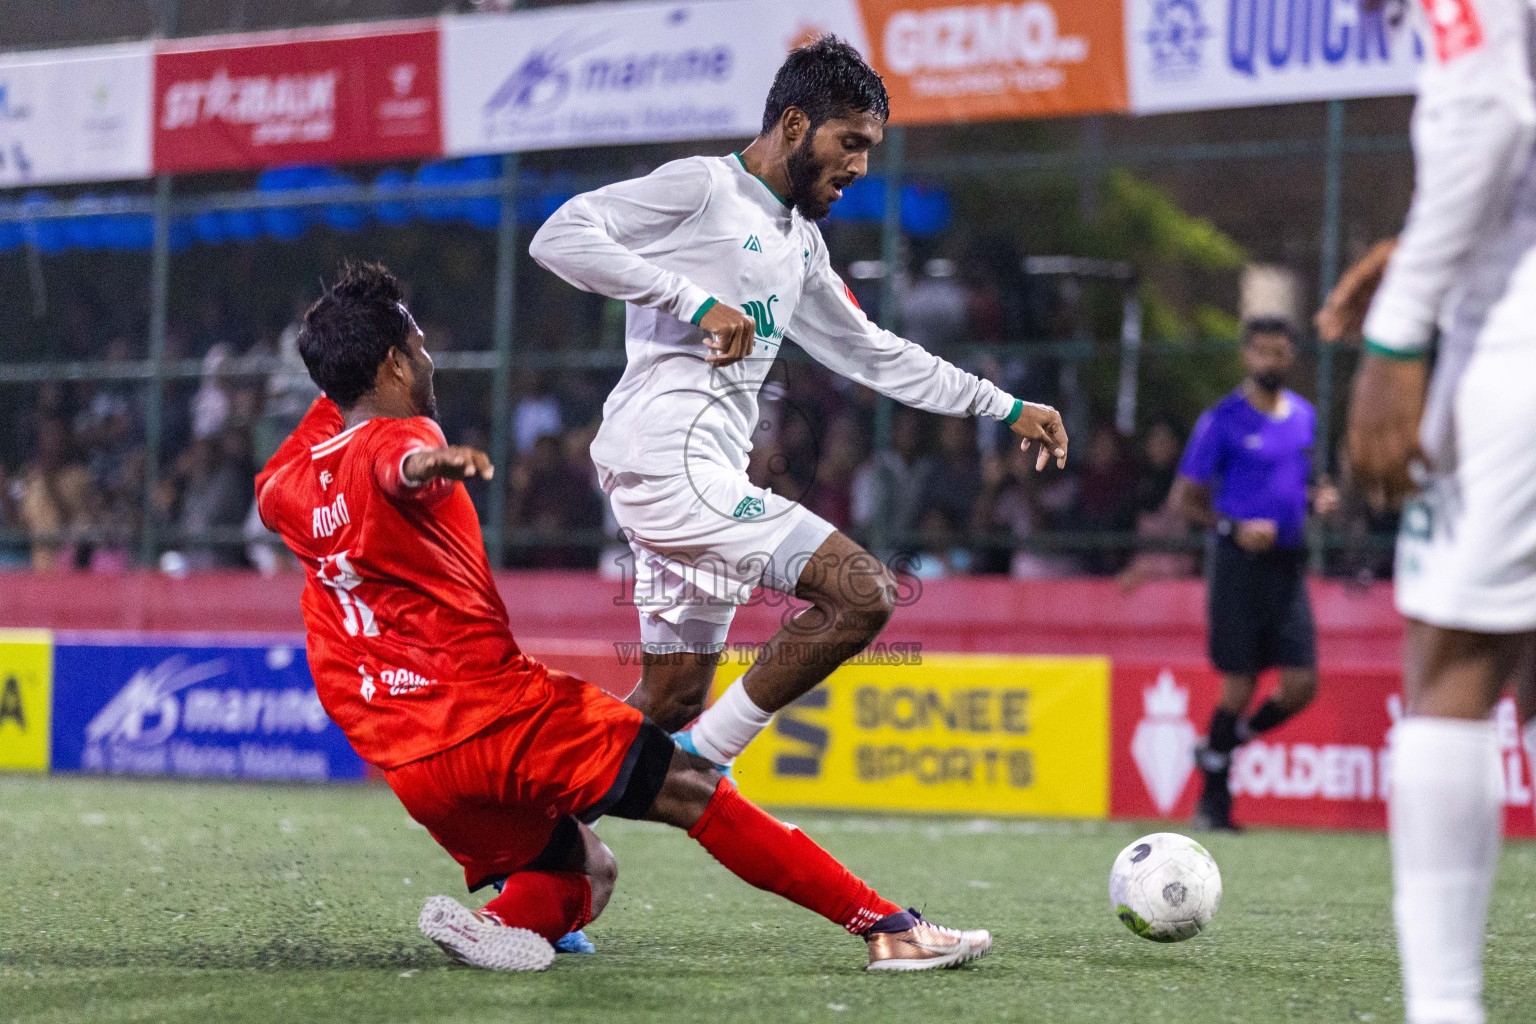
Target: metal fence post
column 890, row 319
column 154, row 411
column 501, row 376
column 1328, row 274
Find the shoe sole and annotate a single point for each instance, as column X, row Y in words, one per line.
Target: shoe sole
column 967, row 952
column 470, row 940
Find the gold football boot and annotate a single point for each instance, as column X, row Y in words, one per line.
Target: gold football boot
column 923, row 946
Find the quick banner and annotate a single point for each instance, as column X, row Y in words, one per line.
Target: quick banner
column 1207, row 54
column 75, row 115
column 364, row 92
column 230, row 708
column 1329, row 767
column 948, row 733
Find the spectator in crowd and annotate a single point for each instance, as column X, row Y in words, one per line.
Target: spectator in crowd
column 1105, row 499
column 935, row 307
column 1009, row 511
column 214, row 484
column 885, row 488
column 1159, row 524
column 535, row 412
column 831, row 493
column 551, row 494
column 52, row 498
column 949, row 480
column 211, row 403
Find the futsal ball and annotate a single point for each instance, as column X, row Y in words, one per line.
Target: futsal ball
column 1165, row 887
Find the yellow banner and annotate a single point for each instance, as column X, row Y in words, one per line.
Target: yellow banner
column 961, row 733
column 26, row 699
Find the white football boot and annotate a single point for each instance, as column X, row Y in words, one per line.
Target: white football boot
column 480, row 941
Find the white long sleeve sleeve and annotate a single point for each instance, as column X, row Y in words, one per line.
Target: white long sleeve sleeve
column 830, row 326
column 614, row 241
column 1472, row 128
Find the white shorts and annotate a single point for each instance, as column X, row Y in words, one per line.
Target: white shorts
column 703, row 542
column 1466, row 550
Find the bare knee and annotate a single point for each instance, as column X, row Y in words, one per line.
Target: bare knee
column 689, row 787
column 1452, row 673
column 602, row 872
column 673, row 687
column 865, row 599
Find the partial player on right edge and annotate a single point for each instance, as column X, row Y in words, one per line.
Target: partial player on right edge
column 1466, row 554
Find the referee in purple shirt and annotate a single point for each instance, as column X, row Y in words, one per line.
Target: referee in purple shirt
column 1244, row 477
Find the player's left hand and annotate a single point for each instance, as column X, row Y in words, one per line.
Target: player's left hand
column 455, row 462
column 1042, row 424
column 1325, row 498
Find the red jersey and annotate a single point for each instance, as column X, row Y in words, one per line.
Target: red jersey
column 408, row 639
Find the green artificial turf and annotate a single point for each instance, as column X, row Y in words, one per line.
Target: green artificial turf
column 169, row 901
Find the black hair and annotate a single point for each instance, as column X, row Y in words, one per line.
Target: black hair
column 350, row 329
column 826, row 79
column 1268, row 325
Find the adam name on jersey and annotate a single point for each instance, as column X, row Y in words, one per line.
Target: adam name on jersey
column 327, row 519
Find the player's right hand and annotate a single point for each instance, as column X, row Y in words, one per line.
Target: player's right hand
column 728, row 334
column 455, row 462
column 1042, row 424
column 1255, row 534
column 1383, row 434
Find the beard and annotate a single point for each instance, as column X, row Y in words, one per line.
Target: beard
column 804, row 174
column 423, row 397
column 1270, row 380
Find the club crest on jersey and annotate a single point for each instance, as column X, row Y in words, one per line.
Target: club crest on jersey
column 762, row 313
column 367, row 689
column 749, row 508
column 325, row 479
column 753, row 245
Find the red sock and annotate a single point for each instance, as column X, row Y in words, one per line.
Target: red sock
column 550, row 903
column 771, row 855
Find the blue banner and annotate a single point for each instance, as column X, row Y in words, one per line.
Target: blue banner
column 226, row 711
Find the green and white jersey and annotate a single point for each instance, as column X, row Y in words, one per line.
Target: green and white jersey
column 704, row 230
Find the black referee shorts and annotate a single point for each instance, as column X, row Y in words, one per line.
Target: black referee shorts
column 1257, row 609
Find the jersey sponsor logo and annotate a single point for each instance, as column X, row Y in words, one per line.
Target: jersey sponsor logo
column 403, row 680
column 749, row 508
column 327, row 519
column 1457, row 30
column 762, row 312
column 367, row 689
column 753, row 245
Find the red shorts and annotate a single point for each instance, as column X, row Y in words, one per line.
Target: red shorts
column 495, row 800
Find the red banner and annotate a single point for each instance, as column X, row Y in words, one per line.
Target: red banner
column 1326, row 768
column 310, row 97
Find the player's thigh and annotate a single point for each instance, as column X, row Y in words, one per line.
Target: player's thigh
column 1457, row 673
column 841, row 573
column 1466, row 553
column 1233, row 621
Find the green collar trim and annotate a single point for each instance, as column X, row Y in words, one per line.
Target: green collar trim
column 767, row 186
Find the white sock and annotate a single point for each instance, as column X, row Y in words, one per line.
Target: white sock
column 1446, row 813
column 729, row 724
column 1528, row 735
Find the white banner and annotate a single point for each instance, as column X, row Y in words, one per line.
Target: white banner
column 624, row 72
column 75, row 115
column 1204, row 54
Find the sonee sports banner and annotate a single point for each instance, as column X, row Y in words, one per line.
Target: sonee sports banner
column 946, row 733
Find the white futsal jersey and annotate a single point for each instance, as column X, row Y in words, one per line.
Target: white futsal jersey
column 705, row 230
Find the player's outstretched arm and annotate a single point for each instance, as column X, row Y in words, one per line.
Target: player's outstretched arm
column 834, row 331
column 453, row 462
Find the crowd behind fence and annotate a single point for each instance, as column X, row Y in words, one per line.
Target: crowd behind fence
column 139, row 447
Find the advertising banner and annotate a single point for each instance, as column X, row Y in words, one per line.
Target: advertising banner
column 1206, row 54
column 626, row 72
column 944, row 60
column 951, row 733
column 26, row 685
column 1328, row 767
column 230, row 710
column 75, row 115
column 368, row 92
